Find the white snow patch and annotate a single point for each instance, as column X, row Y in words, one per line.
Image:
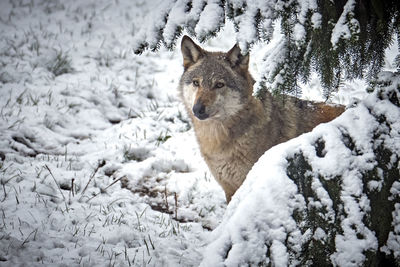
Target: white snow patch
column 346, row 24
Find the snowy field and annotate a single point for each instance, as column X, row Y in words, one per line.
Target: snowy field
column 98, row 163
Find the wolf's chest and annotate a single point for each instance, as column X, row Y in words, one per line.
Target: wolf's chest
column 230, row 163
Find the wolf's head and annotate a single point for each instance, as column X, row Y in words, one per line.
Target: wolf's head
column 214, row 85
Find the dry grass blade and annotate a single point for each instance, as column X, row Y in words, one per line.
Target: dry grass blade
column 58, row 186
column 99, row 165
column 108, row 186
column 26, row 239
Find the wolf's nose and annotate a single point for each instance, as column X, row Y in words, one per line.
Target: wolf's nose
column 199, row 110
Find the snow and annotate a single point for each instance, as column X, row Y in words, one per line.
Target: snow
column 211, row 18
column 316, row 20
column 176, row 17
column 346, row 24
column 304, row 7
column 101, row 166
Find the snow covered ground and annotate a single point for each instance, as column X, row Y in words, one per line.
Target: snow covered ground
column 98, row 162
column 81, row 116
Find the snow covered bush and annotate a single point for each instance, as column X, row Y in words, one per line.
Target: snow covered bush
column 331, row 196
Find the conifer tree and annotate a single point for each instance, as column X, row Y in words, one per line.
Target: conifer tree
column 339, row 39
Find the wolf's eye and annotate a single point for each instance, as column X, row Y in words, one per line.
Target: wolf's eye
column 196, row 83
column 220, row 85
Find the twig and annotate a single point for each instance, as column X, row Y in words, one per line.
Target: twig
column 147, row 247
column 51, row 174
column 3, row 183
column 72, row 187
column 151, row 242
column 176, row 206
column 5, row 192
column 26, row 239
column 103, row 190
column 127, row 256
column 166, row 199
column 99, row 165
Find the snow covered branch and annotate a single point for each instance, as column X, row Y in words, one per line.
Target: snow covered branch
column 338, row 40
column 327, row 197
column 170, row 18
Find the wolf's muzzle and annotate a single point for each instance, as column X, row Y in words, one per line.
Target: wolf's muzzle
column 199, row 110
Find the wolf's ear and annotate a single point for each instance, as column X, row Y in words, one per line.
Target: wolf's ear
column 191, row 52
column 236, row 58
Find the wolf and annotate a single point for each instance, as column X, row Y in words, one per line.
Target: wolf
column 234, row 128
